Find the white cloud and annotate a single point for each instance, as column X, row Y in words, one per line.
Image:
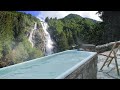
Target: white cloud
column 61, row 14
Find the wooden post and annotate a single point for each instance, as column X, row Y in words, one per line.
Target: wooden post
column 108, row 56
column 116, row 62
column 110, row 61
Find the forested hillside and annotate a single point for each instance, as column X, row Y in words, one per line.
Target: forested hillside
column 74, row 30
column 15, row 29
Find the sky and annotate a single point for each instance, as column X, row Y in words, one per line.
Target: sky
column 61, row 14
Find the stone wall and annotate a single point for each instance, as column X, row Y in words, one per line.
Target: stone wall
column 99, row 48
column 86, row 71
column 105, row 47
column 88, row 47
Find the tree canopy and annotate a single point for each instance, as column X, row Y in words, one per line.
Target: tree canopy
column 74, row 30
column 14, row 44
column 111, row 20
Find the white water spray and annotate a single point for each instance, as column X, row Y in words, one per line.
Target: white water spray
column 49, row 42
column 31, row 34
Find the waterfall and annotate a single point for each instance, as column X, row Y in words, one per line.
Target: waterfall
column 31, row 34
column 49, row 42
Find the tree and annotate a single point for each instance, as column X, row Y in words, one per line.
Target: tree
column 1, row 49
column 46, row 19
column 111, row 21
column 62, row 42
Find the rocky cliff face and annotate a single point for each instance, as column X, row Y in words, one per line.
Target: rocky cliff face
column 36, row 36
column 39, row 39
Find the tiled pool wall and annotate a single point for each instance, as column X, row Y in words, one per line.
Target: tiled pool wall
column 88, row 70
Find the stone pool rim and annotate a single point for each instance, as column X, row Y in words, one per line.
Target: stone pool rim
column 64, row 74
column 69, row 71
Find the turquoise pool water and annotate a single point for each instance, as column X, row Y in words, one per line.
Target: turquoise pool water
column 48, row 67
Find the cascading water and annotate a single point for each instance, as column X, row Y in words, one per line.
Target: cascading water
column 31, row 34
column 49, row 42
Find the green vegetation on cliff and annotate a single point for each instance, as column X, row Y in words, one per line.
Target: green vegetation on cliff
column 74, row 30
column 15, row 28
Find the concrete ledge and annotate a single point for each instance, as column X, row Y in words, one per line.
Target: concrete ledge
column 88, row 70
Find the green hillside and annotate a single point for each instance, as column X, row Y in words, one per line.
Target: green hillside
column 74, row 30
column 15, row 28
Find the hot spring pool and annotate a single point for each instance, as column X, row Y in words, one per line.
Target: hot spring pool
column 56, row 66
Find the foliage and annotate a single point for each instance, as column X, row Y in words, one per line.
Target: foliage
column 111, row 20
column 73, row 30
column 14, row 44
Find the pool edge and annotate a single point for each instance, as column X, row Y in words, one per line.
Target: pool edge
column 68, row 72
